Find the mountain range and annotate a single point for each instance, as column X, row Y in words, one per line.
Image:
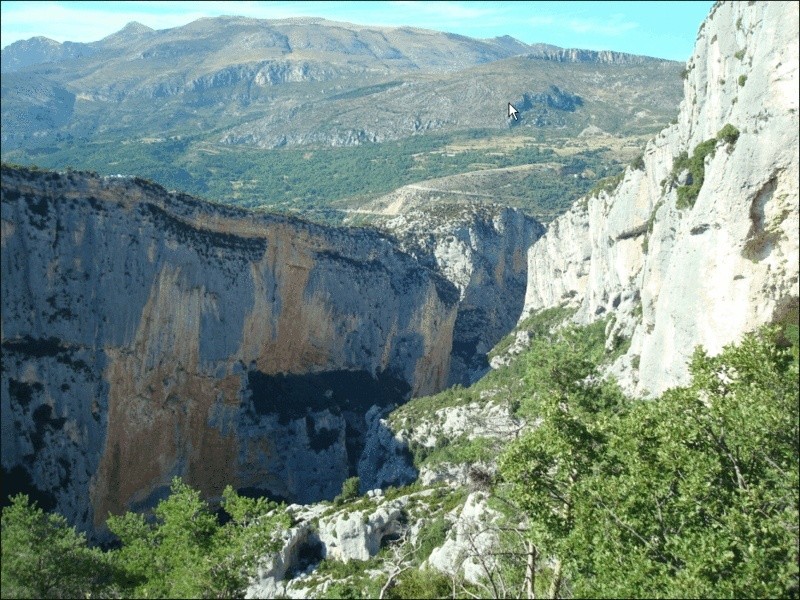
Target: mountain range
column 229, row 88
column 149, row 334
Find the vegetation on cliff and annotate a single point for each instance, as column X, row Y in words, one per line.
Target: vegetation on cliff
column 693, row 494
column 183, row 550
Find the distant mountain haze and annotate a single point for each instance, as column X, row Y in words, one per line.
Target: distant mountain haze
column 413, row 73
column 139, row 99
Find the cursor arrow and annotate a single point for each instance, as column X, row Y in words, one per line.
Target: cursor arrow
column 512, row 112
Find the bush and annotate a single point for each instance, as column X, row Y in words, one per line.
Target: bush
column 687, row 194
column 742, row 80
column 421, row 583
column 694, row 494
column 728, row 134
column 43, row 557
column 350, row 488
column 607, row 184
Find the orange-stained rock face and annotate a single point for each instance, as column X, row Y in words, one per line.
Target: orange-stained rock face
column 151, row 335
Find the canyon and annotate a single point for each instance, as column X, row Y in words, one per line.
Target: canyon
column 148, row 334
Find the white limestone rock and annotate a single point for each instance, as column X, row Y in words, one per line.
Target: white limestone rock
column 357, row 535
column 471, row 534
column 704, row 275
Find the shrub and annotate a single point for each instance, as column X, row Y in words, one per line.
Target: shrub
column 421, row 583
column 691, row 495
column 687, row 194
column 740, row 54
column 607, row 184
column 43, row 557
column 728, row 134
column 350, row 488
column 742, row 80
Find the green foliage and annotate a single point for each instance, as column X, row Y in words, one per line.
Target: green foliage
column 569, row 396
column 320, row 180
column 431, row 536
column 42, row 557
column 728, row 134
column 350, row 488
column 742, row 80
column 687, row 194
column 537, row 325
column 421, row 583
column 637, row 163
column 739, row 54
column 351, row 579
column 182, row 553
column 692, row 495
column 459, row 450
column 607, row 185
column 168, row 558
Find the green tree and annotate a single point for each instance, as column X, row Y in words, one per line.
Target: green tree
column 690, row 495
column 42, row 557
column 186, row 553
column 249, row 535
column 699, row 489
column 544, row 467
column 350, row 490
column 167, row 558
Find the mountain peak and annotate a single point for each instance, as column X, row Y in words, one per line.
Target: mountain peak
column 131, row 31
column 136, row 28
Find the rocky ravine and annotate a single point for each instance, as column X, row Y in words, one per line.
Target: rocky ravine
column 147, row 335
column 674, row 278
column 481, row 249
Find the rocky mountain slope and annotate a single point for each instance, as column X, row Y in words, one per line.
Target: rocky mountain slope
column 696, row 244
column 480, row 248
column 191, row 95
column 700, row 243
column 148, row 334
column 664, row 270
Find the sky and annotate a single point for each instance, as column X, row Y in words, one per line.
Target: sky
column 662, row 29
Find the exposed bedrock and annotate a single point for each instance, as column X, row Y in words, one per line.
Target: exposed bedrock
column 676, row 275
column 147, row 335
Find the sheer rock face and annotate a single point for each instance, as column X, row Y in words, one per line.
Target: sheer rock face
column 147, row 335
column 703, row 275
column 481, row 249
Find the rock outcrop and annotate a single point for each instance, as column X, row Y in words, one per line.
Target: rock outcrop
column 470, row 542
column 481, row 249
column 147, row 335
column 358, row 535
column 677, row 271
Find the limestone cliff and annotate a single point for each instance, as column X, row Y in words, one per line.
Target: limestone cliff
column 676, row 271
column 147, row 335
column 479, row 247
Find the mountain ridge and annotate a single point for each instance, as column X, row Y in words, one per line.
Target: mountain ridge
column 697, row 244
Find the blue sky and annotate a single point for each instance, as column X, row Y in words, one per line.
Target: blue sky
column 663, row 29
